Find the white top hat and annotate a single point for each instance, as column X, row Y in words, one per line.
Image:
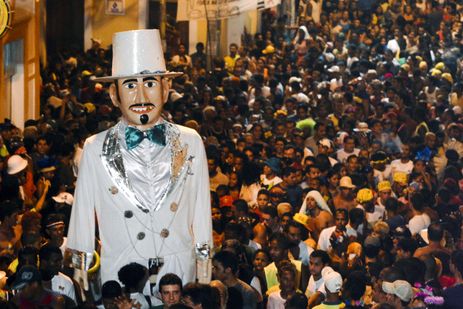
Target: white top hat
column 137, row 53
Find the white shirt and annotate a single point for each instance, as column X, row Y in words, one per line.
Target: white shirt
column 375, row 216
column 393, row 45
column 141, row 299
column 304, row 253
column 255, row 283
column 325, row 235
column 315, row 286
column 270, row 183
column 249, row 193
column 382, row 175
column 342, row 155
column 63, row 285
column 275, row 301
column 398, row 166
column 418, row 223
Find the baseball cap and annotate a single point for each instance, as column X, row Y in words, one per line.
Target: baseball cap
column 400, row 288
column 332, row 280
column 25, row 275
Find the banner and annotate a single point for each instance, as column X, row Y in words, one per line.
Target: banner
column 218, row 9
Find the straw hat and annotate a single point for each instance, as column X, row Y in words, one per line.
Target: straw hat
column 346, row 182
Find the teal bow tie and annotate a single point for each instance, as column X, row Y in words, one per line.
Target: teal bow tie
column 156, row 134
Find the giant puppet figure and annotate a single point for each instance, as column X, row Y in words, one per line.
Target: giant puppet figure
column 145, row 179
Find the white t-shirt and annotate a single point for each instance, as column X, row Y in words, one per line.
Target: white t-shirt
column 418, row 223
column 382, row 175
column 141, row 299
column 342, row 155
column 255, row 283
column 315, row 286
column 398, row 166
column 375, row 216
column 275, row 301
column 304, row 253
column 270, row 183
column 62, row 284
column 325, row 235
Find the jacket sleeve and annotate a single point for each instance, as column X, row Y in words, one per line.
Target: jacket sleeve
column 202, row 220
column 81, row 235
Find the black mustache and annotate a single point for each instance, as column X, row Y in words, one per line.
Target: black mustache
column 142, row 104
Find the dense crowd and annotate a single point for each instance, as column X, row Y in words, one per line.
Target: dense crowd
column 334, row 153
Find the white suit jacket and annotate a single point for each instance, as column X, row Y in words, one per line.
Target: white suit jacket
column 128, row 231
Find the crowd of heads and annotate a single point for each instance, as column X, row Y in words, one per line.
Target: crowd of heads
column 334, row 149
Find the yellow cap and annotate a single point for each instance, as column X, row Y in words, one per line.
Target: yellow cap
column 436, row 72
column 90, row 107
column 423, row 65
column 400, row 177
column 447, row 77
column 440, row 66
column 384, row 186
column 301, row 218
column 364, row 195
column 406, row 67
column 268, row 50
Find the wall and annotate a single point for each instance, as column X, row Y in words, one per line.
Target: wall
column 230, row 31
column 103, row 26
column 25, row 26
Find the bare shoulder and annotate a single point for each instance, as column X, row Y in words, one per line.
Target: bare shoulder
column 324, row 215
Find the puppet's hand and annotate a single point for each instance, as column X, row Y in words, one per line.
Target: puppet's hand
column 81, row 277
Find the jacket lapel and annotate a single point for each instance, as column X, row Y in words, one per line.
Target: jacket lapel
column 111, row 157
column 114, row 164
column 180, row 161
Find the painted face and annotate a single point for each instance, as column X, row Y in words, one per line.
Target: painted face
column 138, row 96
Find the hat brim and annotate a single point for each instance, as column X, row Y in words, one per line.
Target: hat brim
column 17, row 169
column 19, row 285
column 348, row 186
column 108, row 79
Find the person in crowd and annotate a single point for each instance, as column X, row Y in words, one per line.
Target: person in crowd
column 225, row 267
column 51, row 263
column 170, row 289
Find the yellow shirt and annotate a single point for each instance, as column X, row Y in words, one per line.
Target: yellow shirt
column 230, row 62
column 329, row 306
